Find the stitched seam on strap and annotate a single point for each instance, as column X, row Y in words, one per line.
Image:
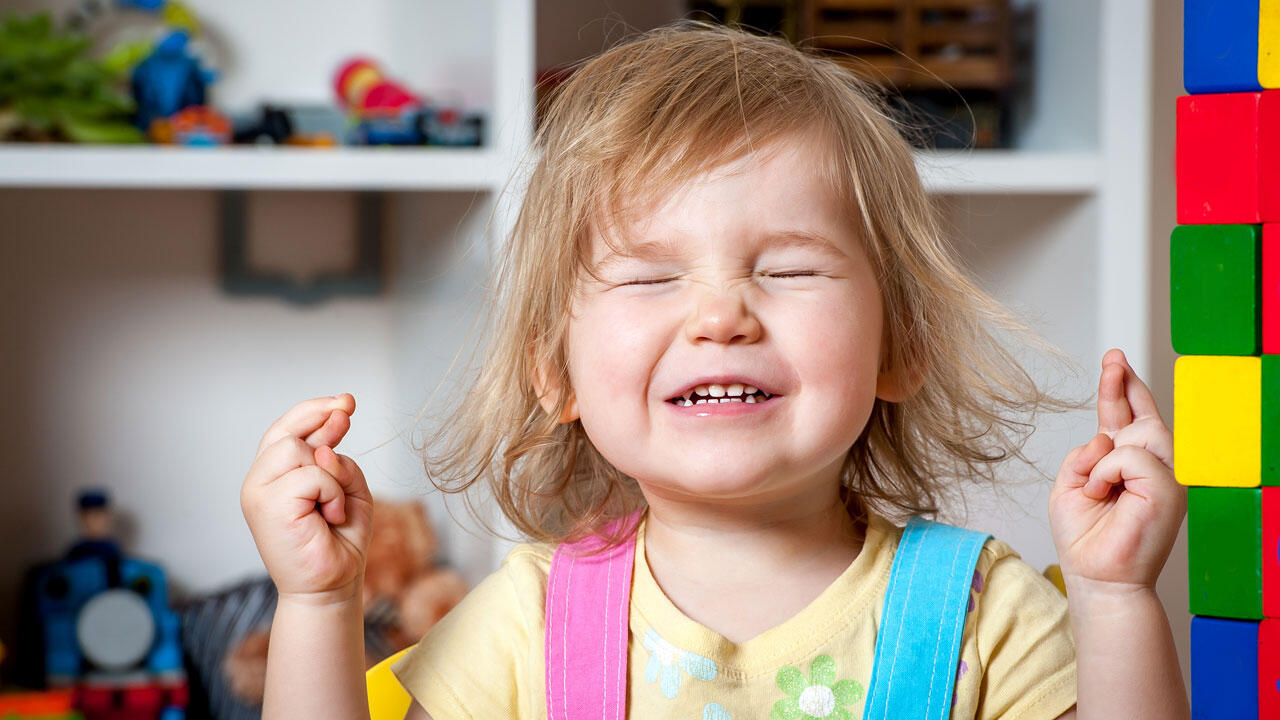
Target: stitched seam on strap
column 620, row 677
column 604, row 676
column 916, row 542
column 946, row 607
column 564, row 673
column 958, row 632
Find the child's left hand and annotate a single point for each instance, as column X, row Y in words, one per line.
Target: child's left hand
column 1115, row 508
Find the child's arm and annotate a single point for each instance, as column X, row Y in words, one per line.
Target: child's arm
column 1115, row 511
column 310, row 513
column 315, row 661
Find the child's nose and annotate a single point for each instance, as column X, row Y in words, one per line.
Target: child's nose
column 723, row 317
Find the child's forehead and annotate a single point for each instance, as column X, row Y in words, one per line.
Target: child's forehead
column 785, row 187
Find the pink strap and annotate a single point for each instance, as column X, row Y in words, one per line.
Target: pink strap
column 588, row 602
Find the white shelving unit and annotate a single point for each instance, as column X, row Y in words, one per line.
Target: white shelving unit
column 250, row 168
column 1009, row 172
column 1076, row 192
column 427, row 169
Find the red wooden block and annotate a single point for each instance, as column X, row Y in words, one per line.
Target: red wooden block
column 1229, row 158
column 1269, row 668
column 1271, row 553
column 1271, row 289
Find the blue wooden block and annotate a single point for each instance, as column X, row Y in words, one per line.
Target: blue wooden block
column 1220, row 46
column 1224, row 668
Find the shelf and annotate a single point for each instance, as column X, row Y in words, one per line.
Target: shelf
column 271, row 168
column 1008, row 172
column 264, row 168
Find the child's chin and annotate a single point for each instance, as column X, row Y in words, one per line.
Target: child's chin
column 723, row 482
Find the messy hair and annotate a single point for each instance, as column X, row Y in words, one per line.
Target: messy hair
column 652, row 113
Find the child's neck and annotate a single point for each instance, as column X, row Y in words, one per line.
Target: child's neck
column 745, row 572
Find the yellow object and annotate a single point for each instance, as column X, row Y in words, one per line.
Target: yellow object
column 387, row 699
column 1053, row 574
column 1217, row 417
column 1269, row 44
column 178, row 15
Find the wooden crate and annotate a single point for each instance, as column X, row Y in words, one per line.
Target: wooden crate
column 917, row 44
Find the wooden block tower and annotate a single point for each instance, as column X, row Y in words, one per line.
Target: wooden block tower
column 1225, row 303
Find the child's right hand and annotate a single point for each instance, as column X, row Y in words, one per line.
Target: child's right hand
column 309, row 509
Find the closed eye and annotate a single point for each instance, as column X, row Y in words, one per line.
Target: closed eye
column 792, row 274
column 652, row 281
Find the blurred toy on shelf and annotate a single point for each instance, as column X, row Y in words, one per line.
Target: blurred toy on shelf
column 50, row 90
column 165, row 54
column 125, row 32
column 194, row 125
column 382, row 112
column 274, row 126
column 271, row 126
column 167, row 82
column 452, row 128
column 385, row 112
column 106, row 633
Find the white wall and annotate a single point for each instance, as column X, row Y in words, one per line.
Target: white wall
column 127, row 367
column 1166, row 87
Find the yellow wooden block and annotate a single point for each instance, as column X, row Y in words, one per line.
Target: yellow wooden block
column 388, row 700
column 1217, row 421
column 1269, row 44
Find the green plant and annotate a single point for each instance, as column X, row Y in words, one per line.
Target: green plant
column 50, row 89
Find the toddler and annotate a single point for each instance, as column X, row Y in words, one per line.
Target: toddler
column 732, row 352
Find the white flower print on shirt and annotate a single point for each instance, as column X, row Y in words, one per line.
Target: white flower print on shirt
column 666, row 661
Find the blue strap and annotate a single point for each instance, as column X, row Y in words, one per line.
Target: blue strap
column 918, row 646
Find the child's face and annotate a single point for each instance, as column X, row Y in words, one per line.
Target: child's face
column 750, row 275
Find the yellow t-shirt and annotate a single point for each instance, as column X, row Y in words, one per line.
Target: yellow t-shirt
column 485, row 659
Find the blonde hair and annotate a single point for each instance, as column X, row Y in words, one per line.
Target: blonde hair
column 652, row 113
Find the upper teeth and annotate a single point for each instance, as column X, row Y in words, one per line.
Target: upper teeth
column 717, row 393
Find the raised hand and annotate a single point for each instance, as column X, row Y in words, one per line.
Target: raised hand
column 1115, row 508
column 309, row 508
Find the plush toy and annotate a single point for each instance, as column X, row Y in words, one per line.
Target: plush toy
column 405, row 593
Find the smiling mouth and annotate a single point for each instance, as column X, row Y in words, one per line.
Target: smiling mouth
column 715, row 394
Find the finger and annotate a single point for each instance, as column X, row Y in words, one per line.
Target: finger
column 1149, row 434
column 343, row 469
column 1138, row 470
column 1080, row 461
column 1113, row 405
column 306, row 417
column 335, row 427
column 1093, row 451
column 287, row 453
column 1141, row 402
column 310, row 489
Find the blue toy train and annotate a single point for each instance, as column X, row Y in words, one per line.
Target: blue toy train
column 106, row 631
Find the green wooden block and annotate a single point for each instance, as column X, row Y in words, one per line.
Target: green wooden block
column 1271, row 420
column 1224, row 551
column 1215, row 289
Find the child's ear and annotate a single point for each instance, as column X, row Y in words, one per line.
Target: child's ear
column 897, row 383
column 549, row 392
